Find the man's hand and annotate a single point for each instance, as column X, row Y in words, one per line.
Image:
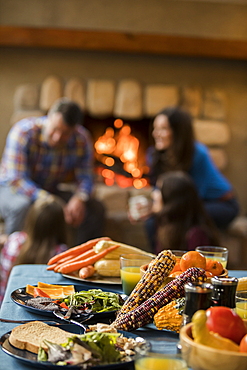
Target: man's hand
column 74, row 211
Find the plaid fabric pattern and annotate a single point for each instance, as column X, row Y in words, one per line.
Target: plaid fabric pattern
column 32, row 168
column 9, row 253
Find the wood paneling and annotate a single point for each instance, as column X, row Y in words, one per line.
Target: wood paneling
column 122, row 42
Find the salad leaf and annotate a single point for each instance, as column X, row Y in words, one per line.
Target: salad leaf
column 42, row 355
column 56, row 352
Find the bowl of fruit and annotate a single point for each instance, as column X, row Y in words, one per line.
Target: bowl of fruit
column 215, row 339
column 193, row 259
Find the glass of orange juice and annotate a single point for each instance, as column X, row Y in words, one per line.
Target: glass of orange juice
column 159, row 361
column 215, row 253
column 130, row 264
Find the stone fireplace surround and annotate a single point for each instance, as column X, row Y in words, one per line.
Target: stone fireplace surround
column 129, row 100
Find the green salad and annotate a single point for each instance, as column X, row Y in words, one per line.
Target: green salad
column 91, row 348
column 93, row 300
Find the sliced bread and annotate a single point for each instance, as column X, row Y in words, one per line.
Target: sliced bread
column 29, row 336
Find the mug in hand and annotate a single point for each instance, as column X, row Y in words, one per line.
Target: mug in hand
column 139, row 207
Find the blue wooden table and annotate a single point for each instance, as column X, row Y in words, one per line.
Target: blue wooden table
column 161, row 341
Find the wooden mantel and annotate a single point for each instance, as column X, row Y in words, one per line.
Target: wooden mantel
column 28, row 37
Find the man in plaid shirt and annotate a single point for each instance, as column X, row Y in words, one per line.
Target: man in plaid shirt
column 40, row 154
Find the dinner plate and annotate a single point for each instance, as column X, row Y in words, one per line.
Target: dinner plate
column 30, row 358
column 20, row 297
column 96, row 278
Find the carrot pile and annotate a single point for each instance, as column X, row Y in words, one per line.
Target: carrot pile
column 76, row 258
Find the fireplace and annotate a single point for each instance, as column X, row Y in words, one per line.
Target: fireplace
column 120, row 146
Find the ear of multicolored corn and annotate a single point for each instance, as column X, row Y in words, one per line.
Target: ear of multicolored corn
column 144, row 313
column 151, row 281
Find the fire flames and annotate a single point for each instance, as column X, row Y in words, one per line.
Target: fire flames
column 117, row 151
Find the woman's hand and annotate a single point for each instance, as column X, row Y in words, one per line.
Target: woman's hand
column 139, row 208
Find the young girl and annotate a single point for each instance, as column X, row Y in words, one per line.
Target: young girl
column 181, row 221
column 45, row 235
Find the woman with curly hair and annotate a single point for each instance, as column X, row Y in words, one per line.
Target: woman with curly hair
column 175, row 148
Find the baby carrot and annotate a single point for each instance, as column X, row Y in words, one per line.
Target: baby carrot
column 54, row 265
column 68, row 253
column 51, row 267
column 86, row 272
column 76, row 250
column 87, row 254
column 82, row 256
column 73, row 266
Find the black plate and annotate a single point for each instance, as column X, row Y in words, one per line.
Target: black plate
column 30, row 358
column 20, row 297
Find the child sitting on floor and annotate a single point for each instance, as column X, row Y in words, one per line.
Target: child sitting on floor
column 44, row 235
column 181, row 221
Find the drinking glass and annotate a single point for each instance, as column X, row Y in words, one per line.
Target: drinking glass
column 159, row 361
column 178, row 252
column 215, row 253
column 241, row 303
column 130, row 264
